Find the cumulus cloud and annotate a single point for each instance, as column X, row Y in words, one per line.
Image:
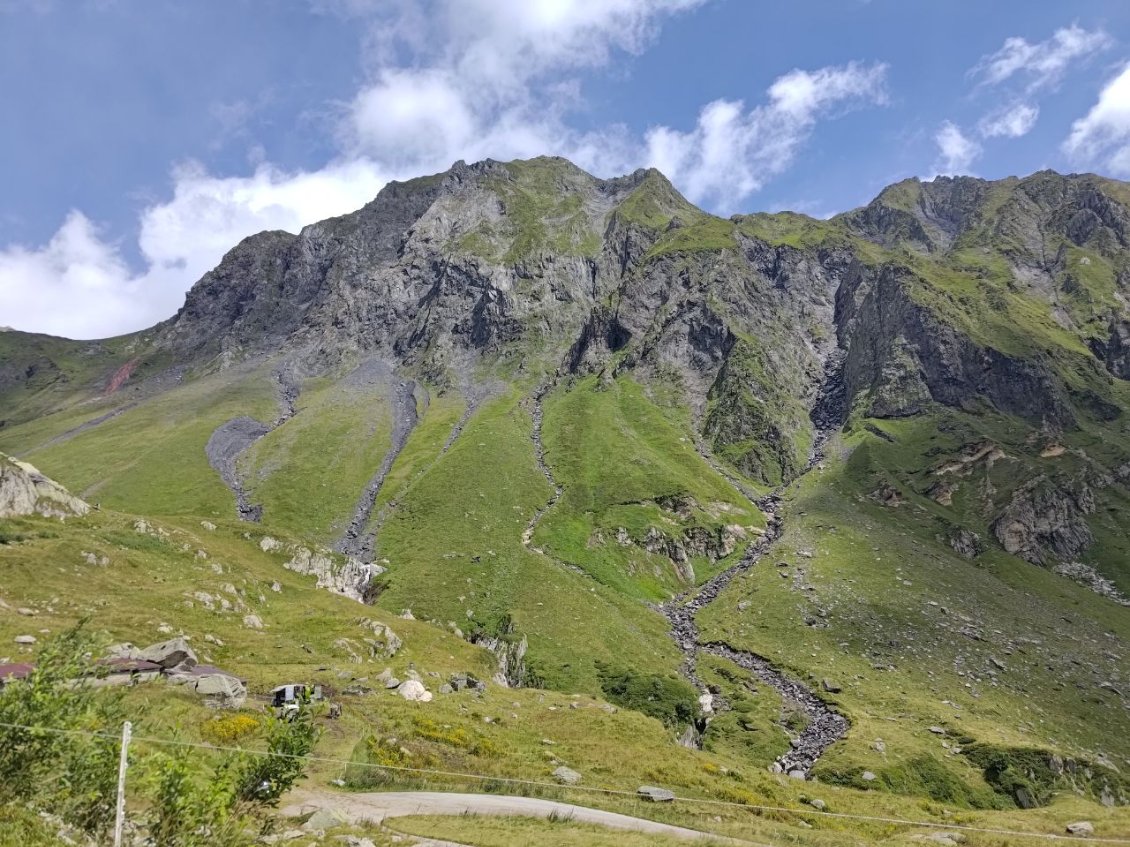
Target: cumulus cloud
column 54, row 288
column 499, row 87
column 1010, row 122
column 1024, row 70
column 1044, row 63
column 445, row 80
column 957, row 151
column 79, row 285
column 1102, row 136
column 732, row 151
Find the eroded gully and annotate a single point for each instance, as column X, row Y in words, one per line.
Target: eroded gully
column 539, row 457
column 232, row 438
column 356, row 542
column 475, row 397
column 824, row 726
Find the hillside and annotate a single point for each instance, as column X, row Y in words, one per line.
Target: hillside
column 717, row 499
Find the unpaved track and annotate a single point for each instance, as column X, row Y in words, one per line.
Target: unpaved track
column 379, row 806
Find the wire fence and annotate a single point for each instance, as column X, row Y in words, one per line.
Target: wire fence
column 492, row 778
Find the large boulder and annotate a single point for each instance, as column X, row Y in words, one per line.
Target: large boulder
column 222, row 689
column 384, row 643
column 125, row 650
column 324, row 819
column 413, row 690
column 566, row 776
column 25, row 491
column 655, row 794
column 174, row 653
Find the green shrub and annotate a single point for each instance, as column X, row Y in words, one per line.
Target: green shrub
column 1029, row 776
column 667, row 698
column 193, row 804
column 922, row 776
column 68, row 763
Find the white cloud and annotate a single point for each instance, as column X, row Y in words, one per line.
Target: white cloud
column 79, row 285
column 1043, row 63
column 446, row 80
column 1010, row 122
column 957, row 151
column 1102, row 136
column 732, row 152
column 498, row 87
column 76, row 284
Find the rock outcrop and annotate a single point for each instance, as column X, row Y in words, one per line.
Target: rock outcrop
column 1043, row 520
column 342, row 575
column 26, row 491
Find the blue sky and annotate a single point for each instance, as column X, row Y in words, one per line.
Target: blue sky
column 143, row 139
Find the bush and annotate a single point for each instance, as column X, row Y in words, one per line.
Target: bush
column 458, row 736
column 921, row 776
column 193, row 805
column 190, row 808
column 229, row 728
column 1030, row 776
column 667, row 698
column 261, row 779
column 59, row 749
column 68, row 763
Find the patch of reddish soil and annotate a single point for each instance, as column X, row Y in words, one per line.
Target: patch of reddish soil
column 120, row 376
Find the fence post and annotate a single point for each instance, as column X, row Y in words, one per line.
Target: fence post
column 123, row 763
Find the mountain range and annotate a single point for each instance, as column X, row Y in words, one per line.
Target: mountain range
column 847, row 499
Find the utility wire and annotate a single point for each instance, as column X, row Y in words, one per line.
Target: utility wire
column 171, row 742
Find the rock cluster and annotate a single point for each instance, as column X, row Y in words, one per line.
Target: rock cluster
column 176, row 661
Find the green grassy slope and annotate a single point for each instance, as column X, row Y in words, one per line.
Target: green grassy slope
column 455, row 552
column 150, row 459
column 871, row 596
column 308, row 472
column 626, row 463
column 151, row 577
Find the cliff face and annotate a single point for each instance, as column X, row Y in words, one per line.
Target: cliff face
column 1004, row 298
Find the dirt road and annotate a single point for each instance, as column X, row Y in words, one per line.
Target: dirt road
column 379, row 806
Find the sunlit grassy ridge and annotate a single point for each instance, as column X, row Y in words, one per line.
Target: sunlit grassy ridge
column 623, row 462
column 308, row 473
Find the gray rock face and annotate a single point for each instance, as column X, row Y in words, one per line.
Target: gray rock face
column 655, row 794
column 967, row 543
column 25, row 491
column 487, row 262
column 901, row 356
column 1043, row 520
column 223, row 689
column 1115, row 350
column 511, row 656
column 170, row 654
